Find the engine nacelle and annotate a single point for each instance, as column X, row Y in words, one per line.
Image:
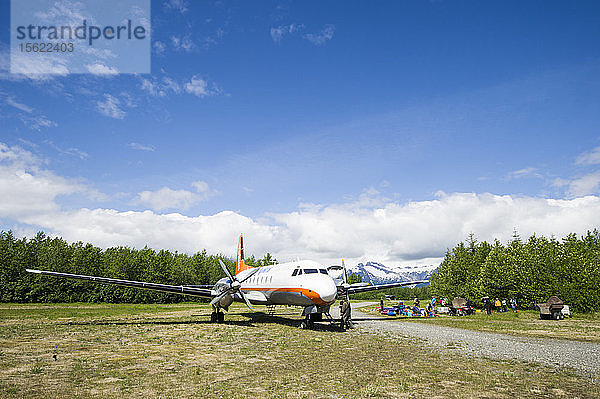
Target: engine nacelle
column 226, row 301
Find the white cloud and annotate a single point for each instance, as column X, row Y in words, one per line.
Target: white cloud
column 159, row 47
column 166, row 85
column 368, row 228
column 101, row 69
column 28, row 190
column 589, row 158
column 587, row 184
column 110, row 107
column 10, row 101
column 396, row 234
column 199, row 87
column 278, row 33
column 38, row 122
column 141, row 147
column 525, row 172
column 167, row 198
column 322, row 37
column 180, row 6
column 182, row 43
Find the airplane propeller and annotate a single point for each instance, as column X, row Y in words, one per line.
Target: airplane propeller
column 234, row 286
column 346, row 285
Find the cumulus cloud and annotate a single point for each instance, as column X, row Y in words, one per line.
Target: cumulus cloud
column 110, row 107
column 28, row 190
column 397, row 234
column 167, row 198
column 368, row 228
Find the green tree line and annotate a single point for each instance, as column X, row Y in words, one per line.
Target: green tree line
column 529, row 271
column 55, row 254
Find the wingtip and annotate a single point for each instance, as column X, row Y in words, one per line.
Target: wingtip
column 33, row 271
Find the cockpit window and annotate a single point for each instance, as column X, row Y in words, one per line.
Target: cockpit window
column 295, row 272
column 310, row 271
column 322, row 271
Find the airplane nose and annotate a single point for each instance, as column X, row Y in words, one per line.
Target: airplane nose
column 328, row 291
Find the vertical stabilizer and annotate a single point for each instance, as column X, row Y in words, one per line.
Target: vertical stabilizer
column 239, row 264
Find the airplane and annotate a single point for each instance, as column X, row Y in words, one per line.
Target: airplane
column 303, row 283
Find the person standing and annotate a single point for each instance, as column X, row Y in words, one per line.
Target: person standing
column 497, row 304
column 487, row 305
column 504, row 304
column 513, row 304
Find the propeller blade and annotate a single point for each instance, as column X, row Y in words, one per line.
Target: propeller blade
column 245, row 300
column 226, row 270
column 250, row 274
column 216, row 299
column 346, row 285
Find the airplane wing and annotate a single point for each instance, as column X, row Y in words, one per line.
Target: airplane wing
column 175, row 289
column 355, row 290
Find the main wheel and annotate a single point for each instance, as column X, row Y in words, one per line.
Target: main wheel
column 220, row 317
column 213, row 317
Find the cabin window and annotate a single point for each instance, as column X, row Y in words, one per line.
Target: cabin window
column 310, row 271
column 322, row 271
column 295, row 272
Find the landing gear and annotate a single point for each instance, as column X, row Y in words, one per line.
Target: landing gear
column 345, row 315
column 308, row 323
column 346, row 320
column 217, row 317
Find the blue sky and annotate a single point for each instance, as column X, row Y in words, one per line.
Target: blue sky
column 300, row 117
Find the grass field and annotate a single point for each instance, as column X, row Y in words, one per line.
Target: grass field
column 131, row 351
column 582, row 327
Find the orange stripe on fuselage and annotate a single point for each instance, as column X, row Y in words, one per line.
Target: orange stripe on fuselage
column 310, row 294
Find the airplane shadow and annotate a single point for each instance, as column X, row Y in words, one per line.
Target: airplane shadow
column 246, row 323
column 264, row 318
column 253, row 318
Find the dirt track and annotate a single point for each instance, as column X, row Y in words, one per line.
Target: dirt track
column 583, row 357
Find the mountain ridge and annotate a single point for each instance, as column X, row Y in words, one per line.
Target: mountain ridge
column 376, row 273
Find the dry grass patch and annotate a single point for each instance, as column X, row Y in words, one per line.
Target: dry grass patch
column 172, row 351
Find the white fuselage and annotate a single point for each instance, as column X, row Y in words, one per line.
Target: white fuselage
column 300, row 283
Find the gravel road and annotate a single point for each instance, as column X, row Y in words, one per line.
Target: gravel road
column 583, row 357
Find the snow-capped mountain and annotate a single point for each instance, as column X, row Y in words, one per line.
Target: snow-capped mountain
column 377, row 273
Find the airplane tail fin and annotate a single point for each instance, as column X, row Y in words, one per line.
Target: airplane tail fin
column 239, row 264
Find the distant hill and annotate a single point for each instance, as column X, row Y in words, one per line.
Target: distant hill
column 376, row 273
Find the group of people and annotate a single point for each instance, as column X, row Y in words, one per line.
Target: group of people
column 406, row 310
column 499, row 305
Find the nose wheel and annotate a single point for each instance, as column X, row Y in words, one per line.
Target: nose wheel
column 217, row 317
column 309, row 320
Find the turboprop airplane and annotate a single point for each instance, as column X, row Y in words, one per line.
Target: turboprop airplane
column 302, row 283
